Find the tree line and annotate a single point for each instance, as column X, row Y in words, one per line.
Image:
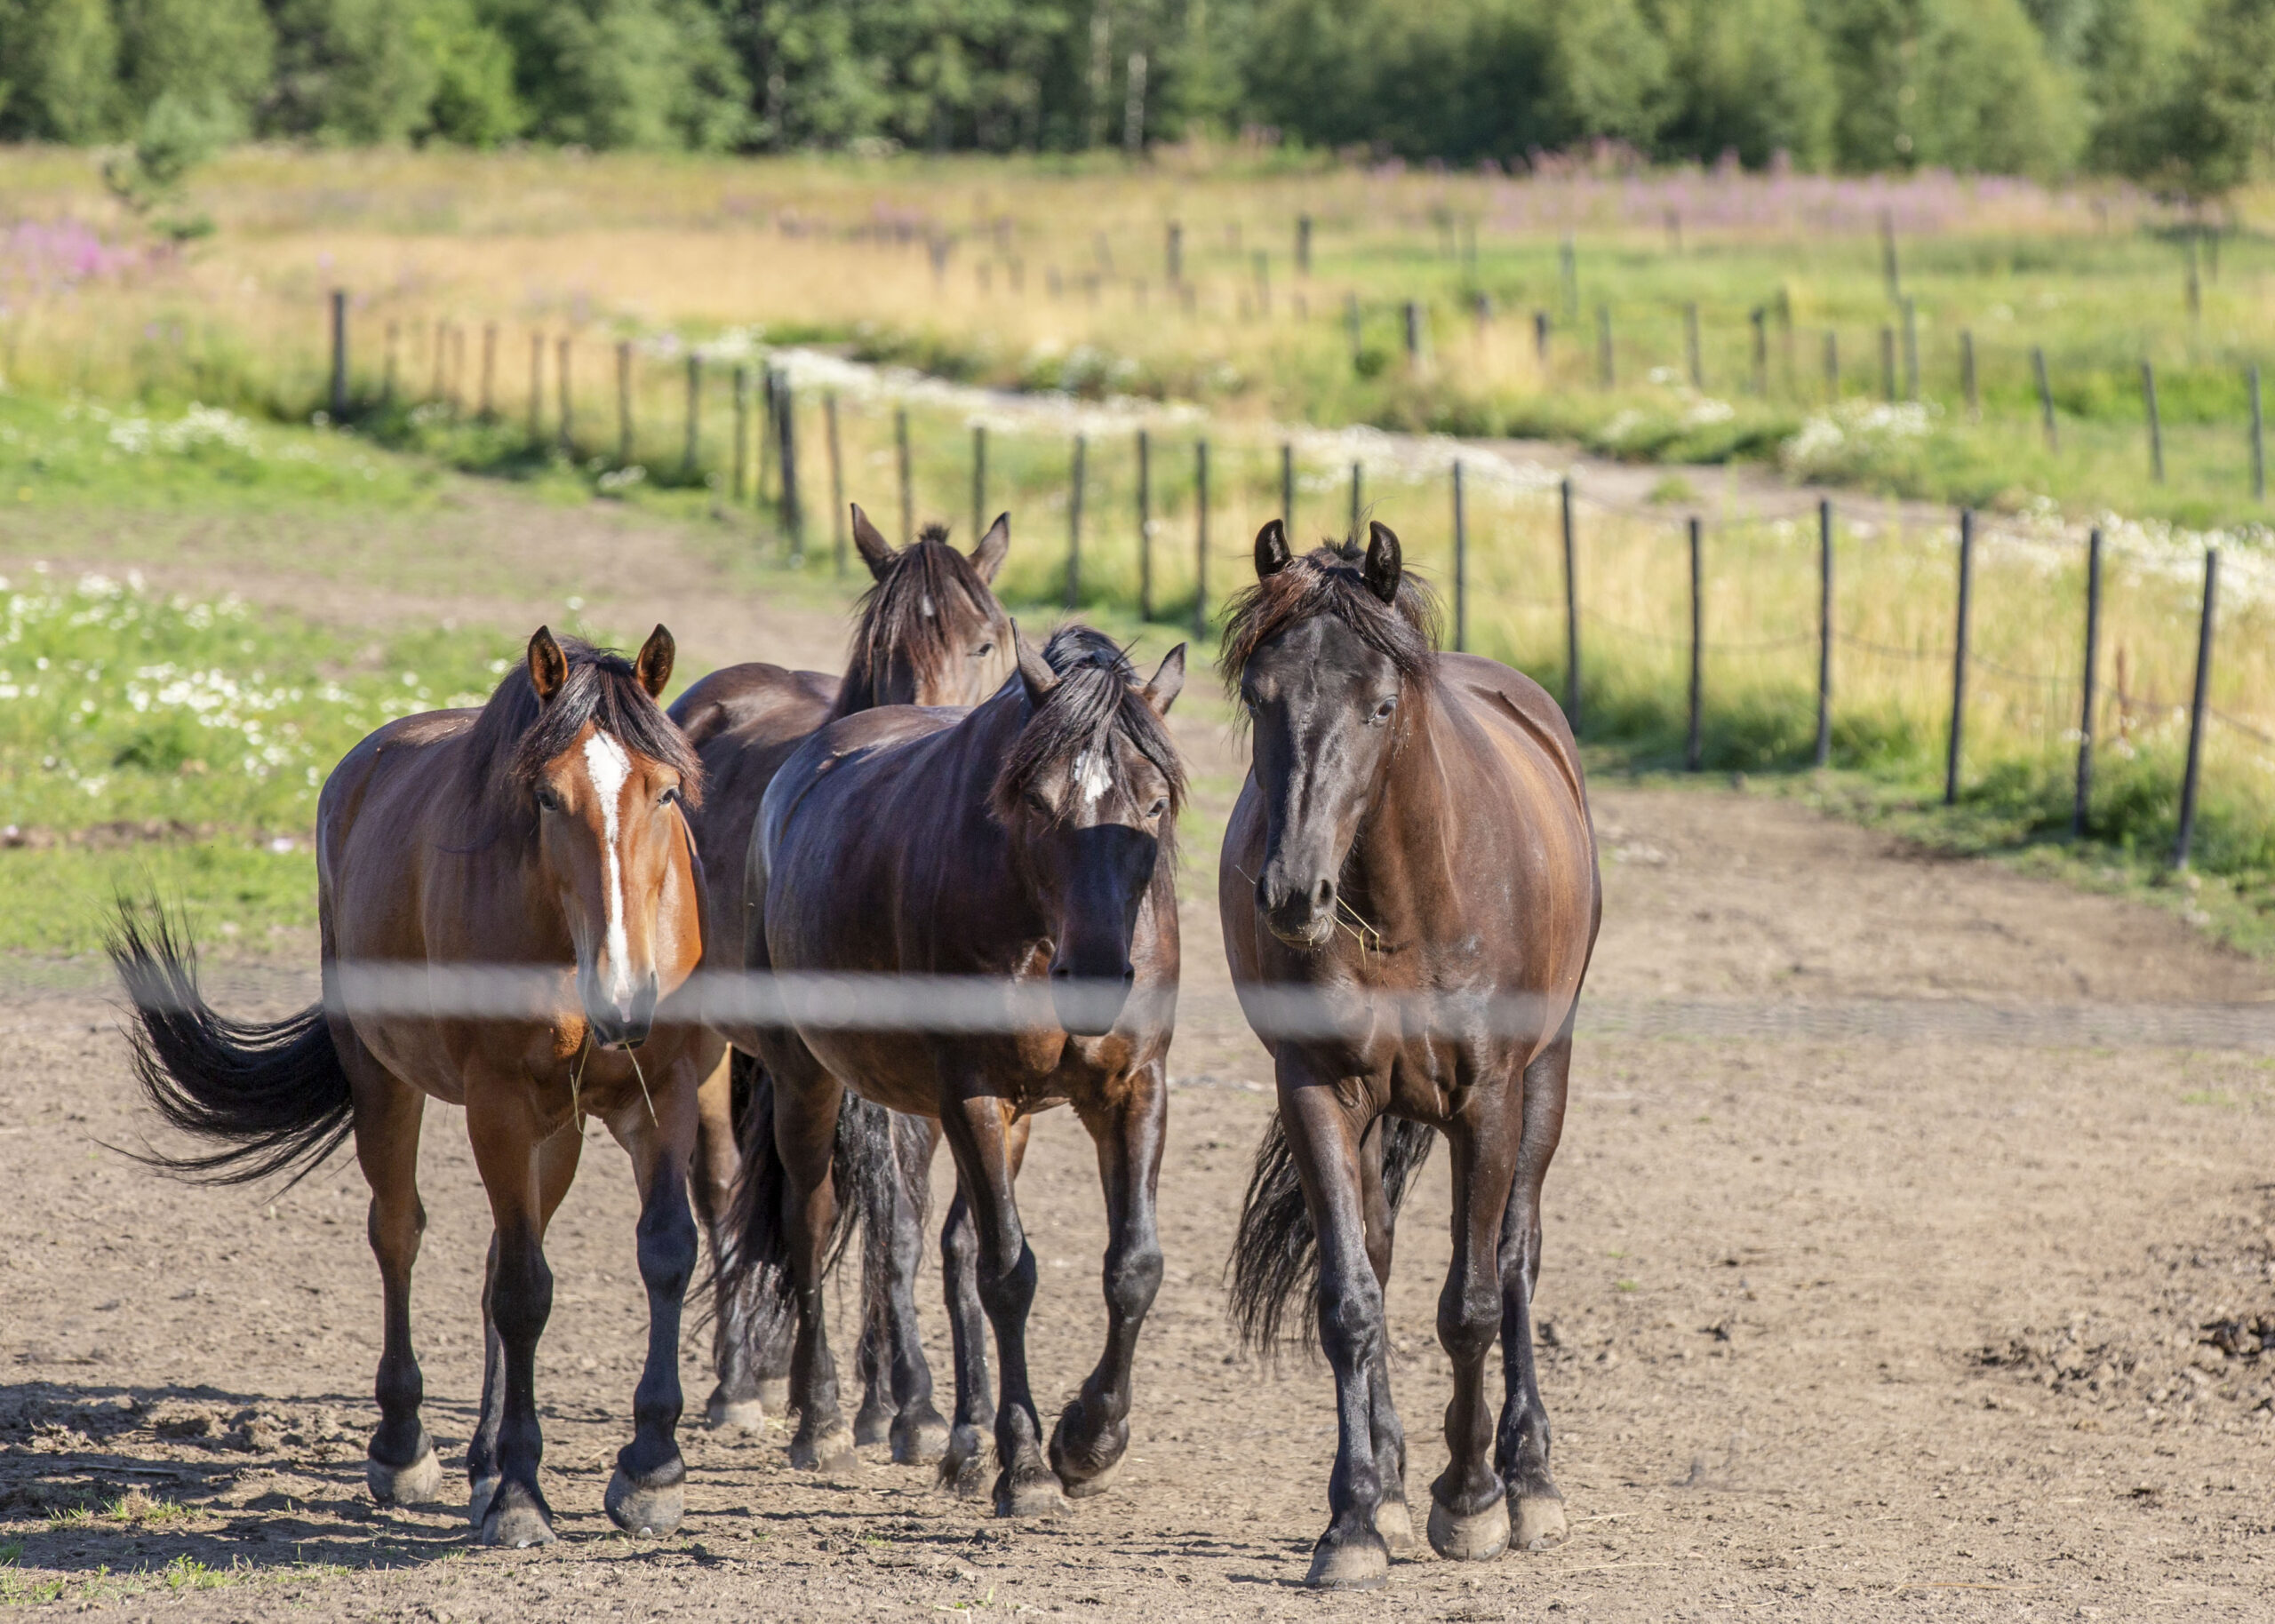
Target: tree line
column 2177, row 92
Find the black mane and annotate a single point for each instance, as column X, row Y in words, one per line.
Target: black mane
column 1327, row 581
column 1099, row 694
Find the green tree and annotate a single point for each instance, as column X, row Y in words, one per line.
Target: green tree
column 624, row 73
column 2225, row 131
column 350, row 71
column 474, row 101
column 1964, row 84
column 1607, row 72
column 59, row 71
column 2138, row 60
column 1749, row 77
column 213, row 57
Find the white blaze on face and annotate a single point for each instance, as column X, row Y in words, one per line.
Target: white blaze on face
column 610, row 768
column 1094, row 774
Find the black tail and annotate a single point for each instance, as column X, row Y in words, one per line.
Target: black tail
column 273, row 1093
column 754, row 1268
column 1275, row 1255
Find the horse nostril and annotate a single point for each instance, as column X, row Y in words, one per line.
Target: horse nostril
column 1323, row 894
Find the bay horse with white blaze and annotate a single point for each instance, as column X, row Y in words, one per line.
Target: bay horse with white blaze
column 1411, row 870
column 1028, row 846
column 930, row 632
column 543, row 838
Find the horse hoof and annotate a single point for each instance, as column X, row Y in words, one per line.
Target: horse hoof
column 745, row 1416
column 774, row 1393
column 919, row 1443
column 1035, row 1498
column 1540, row 1523
column 517, row 1521
column 1395, row 1523
column 968, row 1470
column 1355, row 1566
column 646, row 1512
column 478, row 1498
column 1479, row 1538
column 405, row 1485
column 831, row 1452
column 1097, row 1483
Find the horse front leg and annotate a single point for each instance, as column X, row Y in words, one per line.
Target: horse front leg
column 969, row 1466
column 977, row 1133
column 1521, row 1447
column 1469, row 1519
column 525, row 1176
column 1393, row 1519
column 401, row 1469
column 1093, row 1430
column 646, row 1493
column 1350, row 1554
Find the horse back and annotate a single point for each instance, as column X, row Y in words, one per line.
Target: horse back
column 384, row 807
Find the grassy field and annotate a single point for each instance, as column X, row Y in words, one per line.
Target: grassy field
column 144, row 376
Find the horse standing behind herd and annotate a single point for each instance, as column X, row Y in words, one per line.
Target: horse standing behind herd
column 1408, row 895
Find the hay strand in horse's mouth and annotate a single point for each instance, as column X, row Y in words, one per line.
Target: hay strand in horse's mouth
column 633, row 1056
column 577, row 1078
column 1347, row 920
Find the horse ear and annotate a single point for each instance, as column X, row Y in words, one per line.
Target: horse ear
column 1271, row 554
column 987, row 557
column 654, row 665
column 876, row 552
column 1383, row 564
column 1034, row 671
column 1169, row 682
column 548, row 666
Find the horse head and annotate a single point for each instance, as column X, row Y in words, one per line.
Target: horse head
column 930, row 631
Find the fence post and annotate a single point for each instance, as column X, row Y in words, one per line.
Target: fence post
column 907, row 475
column 338, row 353
column 793, row 518
column 836, row 482
column 1461, row 566
column 2155, row 422
column 1074, row 526
column 568, row 399
column 2195, row 276
column 2084, row 805
column 1351, row 325
column 1690, row 345
column 1287, row 487
column 979, row 480
column 1831, row 367
column 456, row 350
column 537, row 387
column 1413, row 333
column 439, row 342
column 1571, row 610
column 2260, row 444
column 1959, row 654
column 623, row 410
column 2045, row 398
column 1568, row 265
column 489, row 371
column 1760, row 316
column 2196, row 711
column 1303, row 245
column 387, row 377
column 1354, row 531
column 769, row 429
column 1888, row 266
column 1540, row 338
column 742, row 427
column 1144, row 526
column 1887, row 364
column 1694, row 740
column 1605, row 375
column 1173, row 256
column 694, row 416
column 1200, row 538
column 1910, row 349
column 1967, row 374
column 1823, row 755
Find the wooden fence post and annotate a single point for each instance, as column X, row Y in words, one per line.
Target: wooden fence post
column 1959, row 655
column 1910, row 349
column 2258, row 441
column 1888, row 266
column 1571, row 609
column 2196, row 710
column 1694, row 737
column 1832, row 366
column 1759, row 317
column 742, row 427
column 338, row 353
column 387, row 378
column 537, row 387
column 1074, row 526
column 1568, row 267
column 2155, row 422
column 1303, row 245
column 836, row 482
column 1287, row 487
column 1824, row 754
column 979, row 482
column 694, row 451
column 907, row 475
column 2083, row 808
column 2045, row 398
column 1966, row 382
column 1887, row 364
column 1354, row 531
column 489, row 371
column 568, row 399
column 1352, row 330
column 624, row 410
column 1540, row 338
column 1414, row 344
column 1690, row 345
column 1144, row 526
column 1173, row 255
column 793, row 517
column 1200, row 538
column 1605, row 374
column 1461, row 566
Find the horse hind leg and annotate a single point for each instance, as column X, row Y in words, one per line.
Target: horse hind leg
column 401, row 1469
column 918, row 1434
column 1520, row 1446
column 735, row 1404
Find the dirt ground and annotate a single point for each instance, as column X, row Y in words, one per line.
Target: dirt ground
column 1861, row 1329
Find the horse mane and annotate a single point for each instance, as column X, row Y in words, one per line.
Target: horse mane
column 1099, row 694
column 1327, row 581
column 516, row 734
column 902, row 623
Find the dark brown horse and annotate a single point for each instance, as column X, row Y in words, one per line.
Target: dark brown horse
column 1027, row 844
column 542, row 839
column 1410, row 900
column 930, row 632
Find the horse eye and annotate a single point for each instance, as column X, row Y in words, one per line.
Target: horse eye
column 1036, row 802
column 1158, row 807
column 983, row 651
column 1383, row 711
column 548, row 799
column 669, row 798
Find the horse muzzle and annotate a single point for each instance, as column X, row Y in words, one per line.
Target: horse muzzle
column 623, row 1021
column 1300, row 916
column 1089, row 1005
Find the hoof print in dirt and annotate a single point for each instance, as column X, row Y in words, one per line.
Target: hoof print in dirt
column 415, row 1485
column 1478, row 1537
column 650, row 1513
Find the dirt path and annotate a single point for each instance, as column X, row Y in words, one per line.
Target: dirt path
column 1864, row 1329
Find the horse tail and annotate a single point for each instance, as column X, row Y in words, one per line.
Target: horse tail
column 754, row 1267
column 1275, row 1250
column 272, row 1095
